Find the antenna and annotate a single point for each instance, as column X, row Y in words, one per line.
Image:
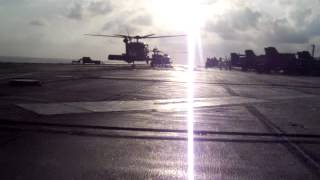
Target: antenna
column 128, row 33
column 313, row 49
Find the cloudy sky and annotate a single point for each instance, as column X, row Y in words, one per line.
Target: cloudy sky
column 56, row 28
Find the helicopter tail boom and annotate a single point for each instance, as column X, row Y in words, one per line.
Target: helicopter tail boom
column 122, row 57
column 117, row 57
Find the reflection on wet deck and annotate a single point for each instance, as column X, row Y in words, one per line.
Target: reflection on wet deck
column 170, row 105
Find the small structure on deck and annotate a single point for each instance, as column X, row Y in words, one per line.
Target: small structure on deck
column 160, row 59
column 86, row 60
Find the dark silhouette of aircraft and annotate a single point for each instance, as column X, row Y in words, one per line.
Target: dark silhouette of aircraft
column 302, row 63
column 135, row 49
column 160, row 59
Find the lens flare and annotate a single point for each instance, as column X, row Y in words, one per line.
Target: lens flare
column 188, row 16
column 194, row 45
column 179, row 14
column 190, row 117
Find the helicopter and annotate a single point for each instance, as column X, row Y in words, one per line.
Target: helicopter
column 135, row 49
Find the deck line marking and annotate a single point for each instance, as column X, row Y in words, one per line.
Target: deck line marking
column 161, row 105
column 16, row 75
column 169, row 105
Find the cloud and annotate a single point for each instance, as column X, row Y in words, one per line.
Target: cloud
column 138, row 21
column 144, row 20
column 80, row 10
column 248, row 24
column 117, row 26
column 100, row 7
column 300, row 15
column 281, row 31
column 233, row 23
column 76, row 11
column 38, row 22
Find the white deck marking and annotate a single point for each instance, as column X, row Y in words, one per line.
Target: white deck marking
column 169, row 105
column 64, row 76
column 16, row 75
column 52, row 109
column 164, row 105
column 291, row 97
column 181, row 79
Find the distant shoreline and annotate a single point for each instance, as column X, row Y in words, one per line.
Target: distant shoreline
column 36, row 60
column 61, row 61
column 20, row 59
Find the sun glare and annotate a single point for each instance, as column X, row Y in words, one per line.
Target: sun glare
column 178, row 14
column 187, row 16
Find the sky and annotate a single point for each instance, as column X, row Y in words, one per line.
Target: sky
column 56, row 28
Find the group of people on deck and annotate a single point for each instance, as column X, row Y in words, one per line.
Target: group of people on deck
column 221, row 63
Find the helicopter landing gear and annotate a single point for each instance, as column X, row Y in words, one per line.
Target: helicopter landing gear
column 133, row 66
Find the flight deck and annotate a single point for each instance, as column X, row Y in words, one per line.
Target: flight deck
column 116, row 122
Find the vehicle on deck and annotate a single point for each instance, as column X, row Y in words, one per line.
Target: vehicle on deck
column 86, row 60
column 302, row 63
column 277, row 62
column 247, row 61
column 307, row 64
column 212, row 62
column 160, row 59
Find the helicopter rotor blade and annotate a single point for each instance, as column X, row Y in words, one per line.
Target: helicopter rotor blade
column 178, row 52
column 103, row 35
column 123, row 36
column 147, row 36
column 154, row 37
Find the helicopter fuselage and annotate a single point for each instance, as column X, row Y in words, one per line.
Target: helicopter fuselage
column 135, row 51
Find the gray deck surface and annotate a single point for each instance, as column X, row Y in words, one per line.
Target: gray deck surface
column 112, row 122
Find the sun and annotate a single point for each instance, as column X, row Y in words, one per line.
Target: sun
column 178, row 14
